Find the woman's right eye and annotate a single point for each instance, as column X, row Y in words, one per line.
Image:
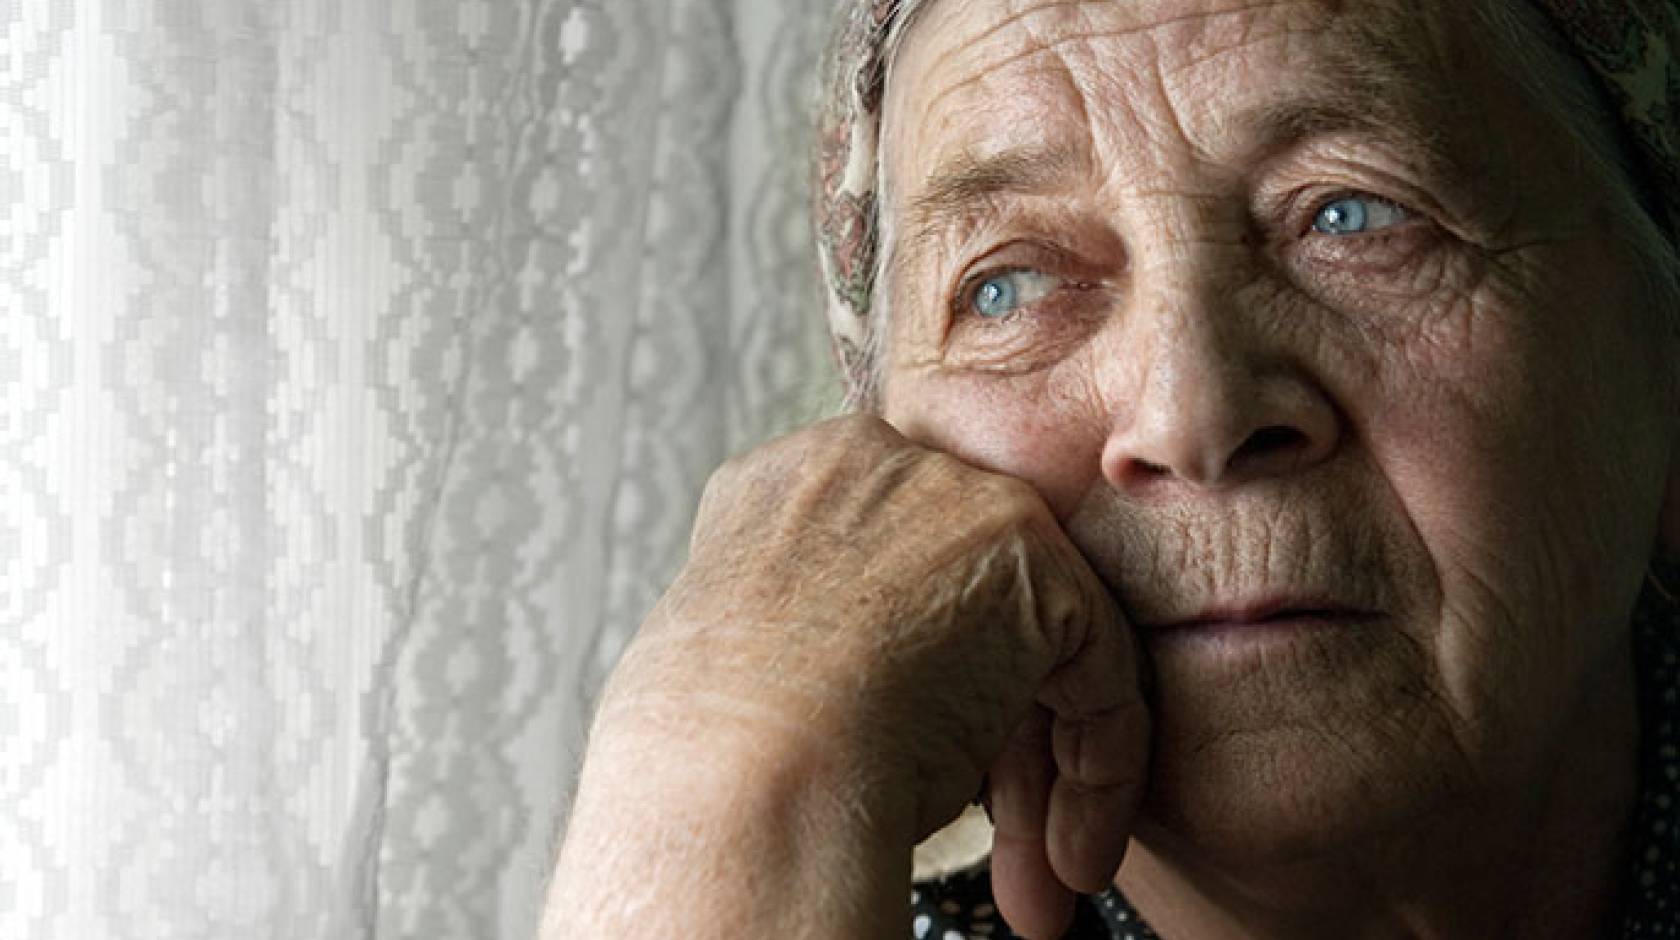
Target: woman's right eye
column 997, row 295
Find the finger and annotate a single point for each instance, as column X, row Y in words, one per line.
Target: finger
column 1028, row 894
column 1100, row 743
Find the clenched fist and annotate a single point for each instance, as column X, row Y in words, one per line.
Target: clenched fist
column 865, row 630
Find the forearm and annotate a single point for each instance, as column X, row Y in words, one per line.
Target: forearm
column 693, row 837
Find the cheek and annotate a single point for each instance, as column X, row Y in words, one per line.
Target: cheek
column 1505, row 431
column 1023, row 426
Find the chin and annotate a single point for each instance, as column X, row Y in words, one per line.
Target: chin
column 1295, row 743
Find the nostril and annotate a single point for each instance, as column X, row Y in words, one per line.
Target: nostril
column 1275, row 441
column 1144, row 469
column 1276, row 437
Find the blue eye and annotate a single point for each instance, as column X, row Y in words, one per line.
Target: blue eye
column 1354, row 215
column 999, row 295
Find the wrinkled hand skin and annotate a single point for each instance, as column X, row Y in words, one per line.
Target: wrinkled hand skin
column 926, row 621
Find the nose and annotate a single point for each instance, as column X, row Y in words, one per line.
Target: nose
column 1210, row 409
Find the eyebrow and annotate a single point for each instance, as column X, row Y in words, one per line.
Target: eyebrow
column 956, row 188
column 966, row 179
column 1274, row 128
column 1277, row 126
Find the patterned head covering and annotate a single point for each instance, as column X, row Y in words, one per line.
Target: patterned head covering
column 1631, row 46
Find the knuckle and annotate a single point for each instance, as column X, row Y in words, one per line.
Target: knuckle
column 849, row 451
column 725, row 489
column 1013, row 500
column 856, row 435
column 862, row 427
column 726, row 473
column 829, row 441
column 720, row 483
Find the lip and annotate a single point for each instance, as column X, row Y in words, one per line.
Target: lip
column 1266, row 612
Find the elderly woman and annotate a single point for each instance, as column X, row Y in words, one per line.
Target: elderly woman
column 1263, row 490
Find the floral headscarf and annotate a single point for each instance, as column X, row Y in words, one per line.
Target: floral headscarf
column 1630, row 45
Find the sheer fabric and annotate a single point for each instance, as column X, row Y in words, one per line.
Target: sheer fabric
column 361, row 363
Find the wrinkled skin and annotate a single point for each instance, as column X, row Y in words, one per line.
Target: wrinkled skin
column 1457, row 426
column 880, row 624
column 1445, row 447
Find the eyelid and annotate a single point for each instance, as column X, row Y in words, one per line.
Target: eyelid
column 1300, row 209
column 1299, row 215
column 970, row 285
column 1320, row 261
column 1422, row 179
column 1404, row 214
column 962, row 302
column 1030, row 336
column 1017, row 255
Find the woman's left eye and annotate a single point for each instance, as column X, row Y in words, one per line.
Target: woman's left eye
column 1356, row 215
column 998, row 295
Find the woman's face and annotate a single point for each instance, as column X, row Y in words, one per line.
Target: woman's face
column 1325, row 347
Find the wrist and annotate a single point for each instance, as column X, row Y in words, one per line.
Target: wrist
column 750, row 832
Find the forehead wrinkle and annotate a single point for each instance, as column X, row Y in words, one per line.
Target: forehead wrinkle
column 1020, row 14
column 1030, row 11
column 1384, row 59
column 1366, row 77
column 982, row 70
column 1362, row 79
column 1376, row 79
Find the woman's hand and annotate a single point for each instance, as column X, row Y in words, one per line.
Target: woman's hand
column 887, row 624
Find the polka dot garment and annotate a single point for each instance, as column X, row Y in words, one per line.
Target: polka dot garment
column 960, row 906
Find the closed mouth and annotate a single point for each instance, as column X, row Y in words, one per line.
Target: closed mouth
column 1262, row 613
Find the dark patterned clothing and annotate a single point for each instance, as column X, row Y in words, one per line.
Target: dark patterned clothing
column 960, row 907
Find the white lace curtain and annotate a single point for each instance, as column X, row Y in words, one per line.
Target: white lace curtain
column 360, row 365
